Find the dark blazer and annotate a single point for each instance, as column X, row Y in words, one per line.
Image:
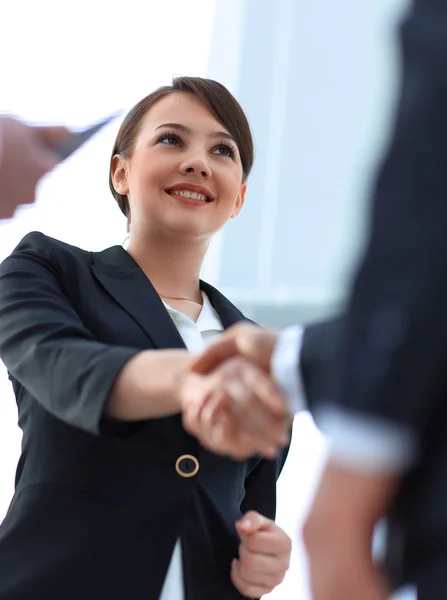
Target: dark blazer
column 98, row 504
column 392, row 360
column 417, row 522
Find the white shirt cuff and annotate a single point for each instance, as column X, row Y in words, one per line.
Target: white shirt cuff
column 366, row 443
column 285, row 368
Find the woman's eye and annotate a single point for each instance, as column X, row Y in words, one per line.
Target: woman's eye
column 225, row 151
column 169, row 139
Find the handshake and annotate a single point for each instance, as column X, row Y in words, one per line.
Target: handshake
column 229, row 399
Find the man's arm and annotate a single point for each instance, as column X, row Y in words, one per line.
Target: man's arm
column 392, row 367
column 381, row 370
column 373, row 443
column 393, row 362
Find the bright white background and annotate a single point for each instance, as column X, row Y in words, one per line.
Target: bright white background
column 74, row 63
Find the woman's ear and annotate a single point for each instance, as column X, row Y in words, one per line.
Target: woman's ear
column 118, row 173
column 239, row 201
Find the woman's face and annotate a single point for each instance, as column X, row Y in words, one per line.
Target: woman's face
column 185, row 173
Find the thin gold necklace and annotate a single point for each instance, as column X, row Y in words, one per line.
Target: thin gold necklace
column 178, row 298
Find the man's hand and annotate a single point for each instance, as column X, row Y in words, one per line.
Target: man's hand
column 26, row 154
column 244, row 339
column 264, row 555
column 338, row 534
column 236, row 410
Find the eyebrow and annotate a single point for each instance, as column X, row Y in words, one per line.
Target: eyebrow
column 188, row 131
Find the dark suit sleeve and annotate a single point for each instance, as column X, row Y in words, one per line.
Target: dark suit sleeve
column 319, row 360
column 395, row 351
column 260, row 486
column 44, row 344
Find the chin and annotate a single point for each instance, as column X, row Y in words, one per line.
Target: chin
column 186, row 228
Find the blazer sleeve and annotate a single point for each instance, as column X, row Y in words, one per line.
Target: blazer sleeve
column 44, row 343
column 319, row 360
column 260, row 486
column 395, row 351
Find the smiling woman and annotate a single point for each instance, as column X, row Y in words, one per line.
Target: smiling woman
column 113, row 498
column 183, row 148
column 209, row 141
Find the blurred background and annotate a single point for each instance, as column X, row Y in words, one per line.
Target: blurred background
column 317, row 81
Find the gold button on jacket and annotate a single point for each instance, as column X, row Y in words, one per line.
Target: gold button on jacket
column 187, row 465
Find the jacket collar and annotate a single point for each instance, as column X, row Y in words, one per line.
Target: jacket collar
column 124, row 280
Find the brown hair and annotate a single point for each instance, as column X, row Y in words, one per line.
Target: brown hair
column 224, row 107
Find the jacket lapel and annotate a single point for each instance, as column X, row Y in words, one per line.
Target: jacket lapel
column 228, row 313
column 124, row 280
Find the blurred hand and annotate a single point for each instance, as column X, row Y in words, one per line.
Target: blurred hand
column 235, row 410
column 244, row 339
column 338, row 535
column 264, row 555
column 250, row 415
column 26, row 154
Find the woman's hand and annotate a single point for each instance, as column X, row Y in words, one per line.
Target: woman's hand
column 236, row 410
column 264, row 555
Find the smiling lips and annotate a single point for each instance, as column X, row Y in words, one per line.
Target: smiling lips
column 190, row 194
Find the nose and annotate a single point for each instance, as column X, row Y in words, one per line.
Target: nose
column 196, row 166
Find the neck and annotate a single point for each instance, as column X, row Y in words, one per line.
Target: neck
column 171, row 263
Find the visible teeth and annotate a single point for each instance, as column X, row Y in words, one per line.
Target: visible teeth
column 188, row 194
